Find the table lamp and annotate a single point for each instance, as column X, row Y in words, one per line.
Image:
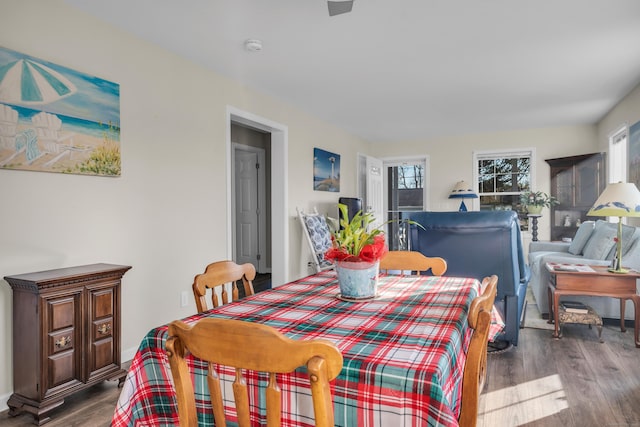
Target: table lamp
column 621, row 199
column 463, row 190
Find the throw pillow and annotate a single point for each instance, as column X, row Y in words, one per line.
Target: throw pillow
column 627, row 234
column 601, row 240
column 319, row 234
column 581, row 237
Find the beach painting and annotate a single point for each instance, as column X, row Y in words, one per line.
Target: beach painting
column 55, row 119
column 634, row 154
column 326, row 171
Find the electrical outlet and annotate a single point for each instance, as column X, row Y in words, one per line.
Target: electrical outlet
column 184, row 299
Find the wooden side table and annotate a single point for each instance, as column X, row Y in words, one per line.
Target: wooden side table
column 593, row 281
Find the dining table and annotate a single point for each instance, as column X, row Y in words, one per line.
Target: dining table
column 404, row 354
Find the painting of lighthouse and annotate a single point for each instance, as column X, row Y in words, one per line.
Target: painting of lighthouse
column 326, row 171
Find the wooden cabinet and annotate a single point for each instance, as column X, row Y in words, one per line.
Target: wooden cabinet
column 66, row 334
column 576, row 182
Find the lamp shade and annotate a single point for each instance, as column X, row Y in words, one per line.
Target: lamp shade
column 619, row 199
column 463, row 190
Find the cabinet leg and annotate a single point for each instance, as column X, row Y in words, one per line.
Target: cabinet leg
column 18, row 405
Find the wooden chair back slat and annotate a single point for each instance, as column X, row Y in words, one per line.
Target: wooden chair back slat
column 252, row 346
column 412, row 261
column 476, row 365
column 216, row 276
column 215, row 392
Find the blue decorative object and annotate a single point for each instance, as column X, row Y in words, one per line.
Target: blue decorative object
column 463, row 190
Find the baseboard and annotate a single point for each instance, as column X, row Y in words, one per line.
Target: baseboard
column 3, row 402
column 128, row 354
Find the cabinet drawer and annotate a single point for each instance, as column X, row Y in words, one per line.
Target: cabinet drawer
column 102, row 328
column 61, row 341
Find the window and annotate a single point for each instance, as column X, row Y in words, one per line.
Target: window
column 502, row 176
column 618, row 156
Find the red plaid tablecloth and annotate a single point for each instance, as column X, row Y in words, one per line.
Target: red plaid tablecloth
column 404, row 354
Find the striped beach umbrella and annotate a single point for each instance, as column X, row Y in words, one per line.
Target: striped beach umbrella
column 31, row 83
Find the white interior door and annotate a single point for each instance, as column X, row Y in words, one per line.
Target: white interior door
column 374, row 199
column 249, row 206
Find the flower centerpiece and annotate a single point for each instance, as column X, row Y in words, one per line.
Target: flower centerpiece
column 356, row 252
column 534, row 201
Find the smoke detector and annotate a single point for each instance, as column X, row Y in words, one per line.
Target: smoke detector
column 253, row 45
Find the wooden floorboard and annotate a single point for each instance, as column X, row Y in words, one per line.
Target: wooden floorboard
column 575, row 381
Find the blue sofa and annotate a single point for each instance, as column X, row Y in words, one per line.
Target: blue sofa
column 479, row 244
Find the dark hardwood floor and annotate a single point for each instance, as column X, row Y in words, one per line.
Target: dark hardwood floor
column 572, row 382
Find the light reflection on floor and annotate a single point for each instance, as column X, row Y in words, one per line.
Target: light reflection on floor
column 521, row 404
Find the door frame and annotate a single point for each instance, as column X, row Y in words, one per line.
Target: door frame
column 279, row 189
column 261, row 204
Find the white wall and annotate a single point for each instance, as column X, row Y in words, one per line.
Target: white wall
column 451, row 165
column 626, row 112
column 166, row 214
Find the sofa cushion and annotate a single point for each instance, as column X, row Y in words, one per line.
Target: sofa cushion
column 581, row 237
column 601, row 241
column 627, row 239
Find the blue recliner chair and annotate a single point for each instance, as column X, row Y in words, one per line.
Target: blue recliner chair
column 479, row 244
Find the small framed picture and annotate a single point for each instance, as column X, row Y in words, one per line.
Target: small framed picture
column 326, row 171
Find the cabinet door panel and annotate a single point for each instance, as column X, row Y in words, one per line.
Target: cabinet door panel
column 102, row 348
column 63, row 352
column 62, row 312
column 62, row 368
column 102, row 303
column 102, row 354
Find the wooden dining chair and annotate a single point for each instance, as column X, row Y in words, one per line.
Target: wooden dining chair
column 412, row 261
column 475, row 367
column 249, row 346
column 216, row 277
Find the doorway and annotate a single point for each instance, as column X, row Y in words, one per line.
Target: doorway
column 250, row 194
column 400, row 184
column 276, row 237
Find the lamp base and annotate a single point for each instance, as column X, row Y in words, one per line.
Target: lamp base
column 463, row 207
column 618, row 271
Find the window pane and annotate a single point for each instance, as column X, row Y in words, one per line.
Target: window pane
column 486, row 184
column 510, row 175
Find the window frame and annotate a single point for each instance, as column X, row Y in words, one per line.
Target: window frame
column 479, row 155
column 620, row 135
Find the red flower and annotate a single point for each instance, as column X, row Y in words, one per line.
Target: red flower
column 373, row 251
column 369, row 253
column 336, row 254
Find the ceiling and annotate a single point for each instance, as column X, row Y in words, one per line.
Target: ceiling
column 395, row 70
